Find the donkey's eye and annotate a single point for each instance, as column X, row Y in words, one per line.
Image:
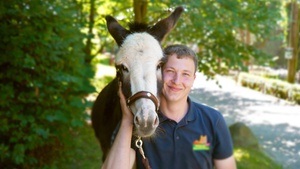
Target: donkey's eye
column 159, row 66
column 121, row 68
column 124, row 68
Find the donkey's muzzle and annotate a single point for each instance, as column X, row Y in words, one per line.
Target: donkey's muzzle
column 145, row 121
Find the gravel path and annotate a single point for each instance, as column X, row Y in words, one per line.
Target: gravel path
column 275, row 122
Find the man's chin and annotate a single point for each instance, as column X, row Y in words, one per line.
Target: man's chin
column 173, row 97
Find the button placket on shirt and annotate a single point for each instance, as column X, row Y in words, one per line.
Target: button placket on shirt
column 178, row 126
column 177, row 135
column 177, row 140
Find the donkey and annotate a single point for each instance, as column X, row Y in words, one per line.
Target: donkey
column 138, row 65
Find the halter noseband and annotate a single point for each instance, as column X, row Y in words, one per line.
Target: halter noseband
column 143, row 94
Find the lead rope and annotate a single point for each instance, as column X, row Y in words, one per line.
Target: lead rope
column 139, row 145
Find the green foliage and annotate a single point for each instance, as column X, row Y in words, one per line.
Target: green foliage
column 213, row 27
column 85, row 152
column 43, row 80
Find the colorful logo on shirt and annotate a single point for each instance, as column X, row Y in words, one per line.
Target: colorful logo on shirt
column 201, row 144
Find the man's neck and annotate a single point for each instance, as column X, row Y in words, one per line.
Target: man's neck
column 174, row 110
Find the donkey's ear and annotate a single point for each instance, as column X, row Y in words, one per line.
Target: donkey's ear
column 164, row 26
column 116, row 30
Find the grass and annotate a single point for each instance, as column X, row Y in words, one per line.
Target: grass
column 249, row 158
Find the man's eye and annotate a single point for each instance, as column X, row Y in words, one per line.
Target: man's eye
column 186, row 74
column 169, row 71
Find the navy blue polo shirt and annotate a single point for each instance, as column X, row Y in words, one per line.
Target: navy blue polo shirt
column 201, row 136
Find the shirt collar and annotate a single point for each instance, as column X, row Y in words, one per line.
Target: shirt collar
column 190, row 115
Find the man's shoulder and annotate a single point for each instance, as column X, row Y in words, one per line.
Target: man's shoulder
column 204, row 109
column 206, row 114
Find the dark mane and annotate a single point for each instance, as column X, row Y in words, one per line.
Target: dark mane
column 138, row 27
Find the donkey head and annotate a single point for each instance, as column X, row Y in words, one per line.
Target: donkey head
column 138, row 63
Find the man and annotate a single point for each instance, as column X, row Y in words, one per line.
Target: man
column 190, row 135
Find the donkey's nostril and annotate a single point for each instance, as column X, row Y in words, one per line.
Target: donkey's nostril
column 156, row 121
column 136, row 121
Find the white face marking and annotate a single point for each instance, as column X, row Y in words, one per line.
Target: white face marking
column 146, row 115
column 141, row 53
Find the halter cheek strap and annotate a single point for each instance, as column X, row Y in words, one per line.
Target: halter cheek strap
column 146, row 95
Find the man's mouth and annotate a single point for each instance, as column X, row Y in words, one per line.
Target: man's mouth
column 174, row 89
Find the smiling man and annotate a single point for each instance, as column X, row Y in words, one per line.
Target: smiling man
column 191, row 135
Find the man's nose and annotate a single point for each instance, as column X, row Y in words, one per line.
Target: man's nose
column 176, row 78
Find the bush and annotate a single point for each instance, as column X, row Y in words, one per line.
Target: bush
column 275, row 87
column 43, row 80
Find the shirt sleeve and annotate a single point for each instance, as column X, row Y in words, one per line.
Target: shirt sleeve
column 224, row 146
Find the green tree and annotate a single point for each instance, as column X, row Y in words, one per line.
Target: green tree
column 43, row 80
column 217, row 28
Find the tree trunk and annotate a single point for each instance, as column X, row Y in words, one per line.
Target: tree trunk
column 294, row 31
column 88, row 47
column 140, row 10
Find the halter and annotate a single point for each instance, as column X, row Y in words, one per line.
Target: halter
column 146, row 95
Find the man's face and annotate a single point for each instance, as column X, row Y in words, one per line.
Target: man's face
column 178, row 78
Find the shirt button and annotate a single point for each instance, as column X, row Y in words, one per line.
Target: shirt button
column 177, row 137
